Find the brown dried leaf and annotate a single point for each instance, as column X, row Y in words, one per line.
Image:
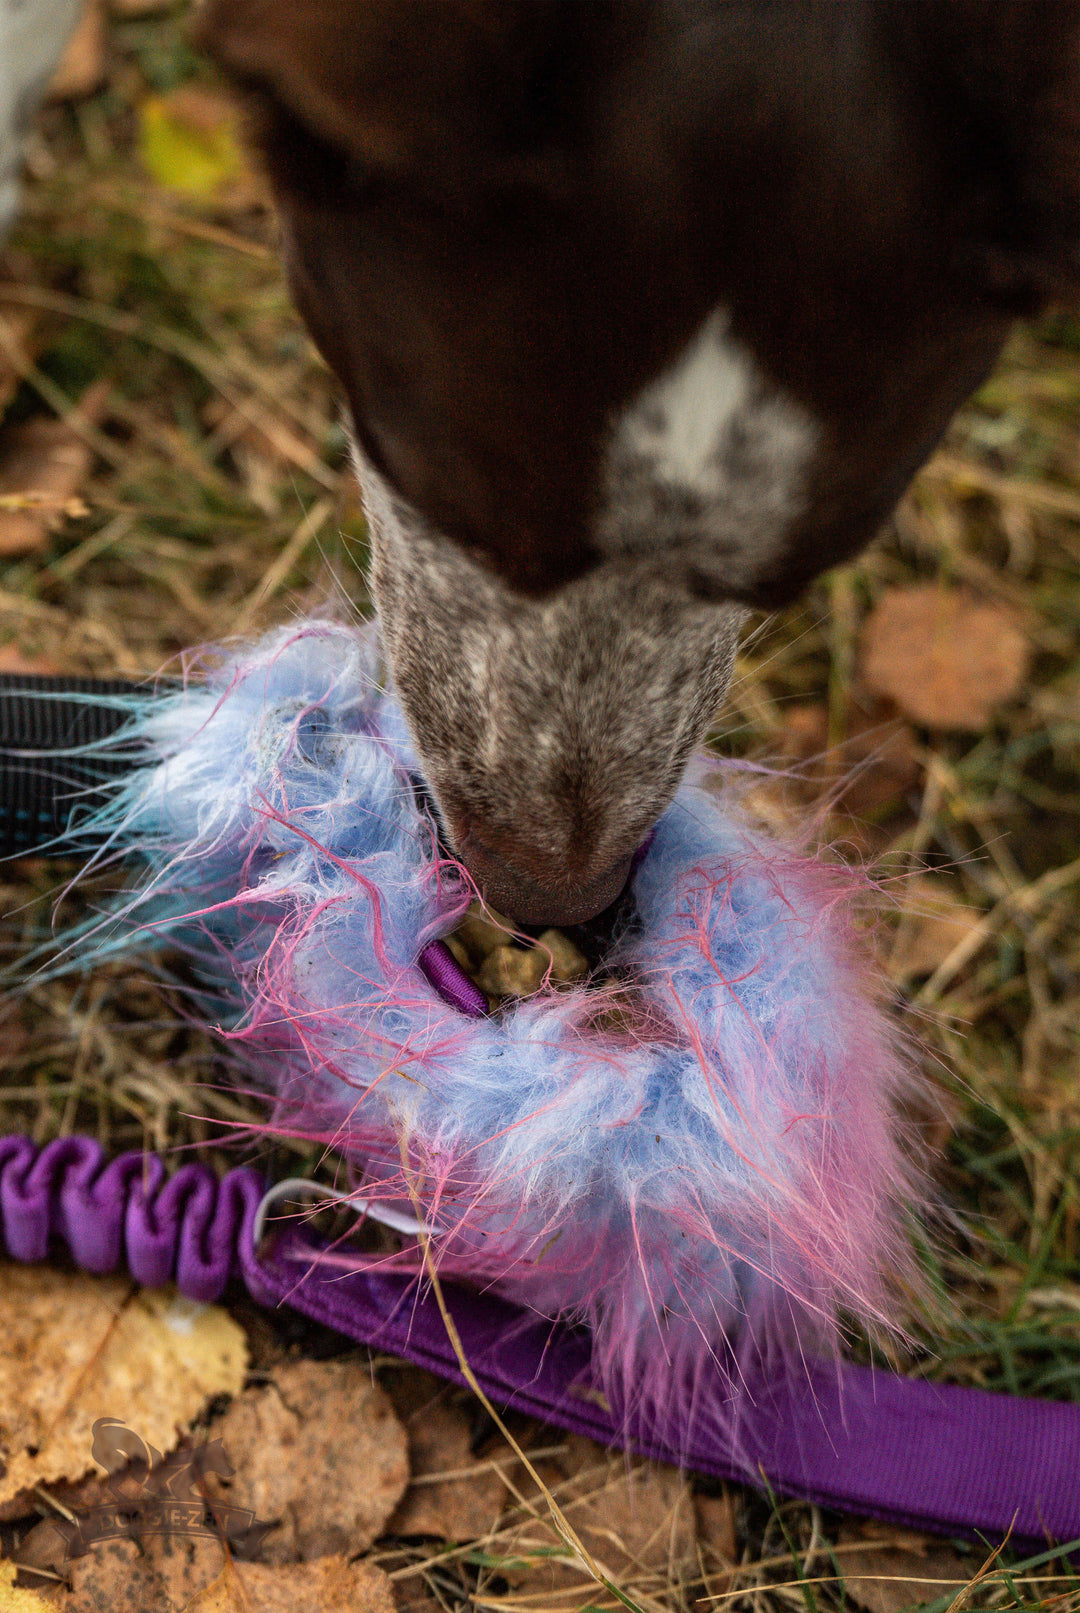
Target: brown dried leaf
column 82, row 66
column 16, row 338
column 319, row 1452
column 331, row 1585
column 934, row 921
column 90, row 1490
column 716, row 1527
column 77, row 1348
column 115, row 1575
column 868, row 774
column 224, row 1595
column 638, row 1525
column 13, row 660
column 946, row 658
column 43, row 464
column 461, row 1506
column 185, row 1564
column 42, row 1557
column 891, row 1577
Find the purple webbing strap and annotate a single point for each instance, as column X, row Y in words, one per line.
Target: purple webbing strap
column 953, row 1460
column 441, row 969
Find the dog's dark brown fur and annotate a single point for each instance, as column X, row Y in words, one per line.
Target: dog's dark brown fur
column 506, row 220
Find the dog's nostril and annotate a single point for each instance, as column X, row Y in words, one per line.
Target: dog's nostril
column 535, row 902
column 594, row 907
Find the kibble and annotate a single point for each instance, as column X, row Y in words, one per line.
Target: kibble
column 505, row 964
column 510, row 971
column 567, row 963
column 482, row 930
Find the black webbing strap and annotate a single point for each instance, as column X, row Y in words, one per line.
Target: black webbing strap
column 46, row 795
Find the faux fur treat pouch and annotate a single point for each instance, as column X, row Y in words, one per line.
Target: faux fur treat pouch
column 716, row 1168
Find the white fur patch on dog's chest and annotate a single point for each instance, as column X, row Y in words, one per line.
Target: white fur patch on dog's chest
column 708, row 462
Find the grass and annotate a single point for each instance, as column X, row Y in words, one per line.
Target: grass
column 218, row 503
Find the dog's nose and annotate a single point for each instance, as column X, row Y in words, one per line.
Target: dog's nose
column 532, row 901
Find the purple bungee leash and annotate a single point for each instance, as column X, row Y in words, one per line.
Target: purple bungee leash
column 946, row 1459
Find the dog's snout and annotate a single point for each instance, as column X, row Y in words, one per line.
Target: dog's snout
column 557, row 900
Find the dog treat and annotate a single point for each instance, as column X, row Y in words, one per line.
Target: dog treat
column 504, row 963
column 511, row 971
column 567, row 963
column 482, row 930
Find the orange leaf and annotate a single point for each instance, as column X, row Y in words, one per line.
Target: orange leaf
column 946, row 658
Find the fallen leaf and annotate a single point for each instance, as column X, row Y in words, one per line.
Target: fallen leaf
column 224, row 1595
column 17, row 327
column 331, row 1585
column 189, row 140
column 933, row 921
column 889, row 1578
column 637, row 1524
column 42, row 1550
column 183, row 1561
column 82, row 66
column 319, row 1452
column 184, row 1564
column 868, row 774
column 715, row 1516
column 467, row 1501
column 77, row 1348
column 946, row 658
column 43, row 464
column 115, row 1575
column 13, row 1599
column 13, row 660
column 78, row 1495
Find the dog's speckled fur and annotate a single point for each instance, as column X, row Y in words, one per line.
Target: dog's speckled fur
column 561, row 739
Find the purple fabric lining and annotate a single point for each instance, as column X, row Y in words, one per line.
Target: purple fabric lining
column 451, row 982
column 958, row 1461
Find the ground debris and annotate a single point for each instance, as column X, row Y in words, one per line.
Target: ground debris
column 43, row 466
column 319, row 1454
column 898, row 1569
column 635, row 1520
column 933, row 922
column 451, row 1494
column 947, row 658
column 327, row 1585
column 80, row 1348
column 19, row 1599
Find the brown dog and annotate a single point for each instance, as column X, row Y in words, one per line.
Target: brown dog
column 645, row 310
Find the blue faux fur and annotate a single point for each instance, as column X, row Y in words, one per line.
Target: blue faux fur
column 730, row 1157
